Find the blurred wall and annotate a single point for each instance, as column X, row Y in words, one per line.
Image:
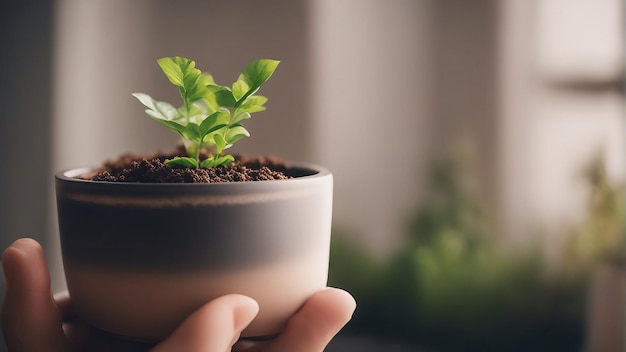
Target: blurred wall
column 26, row 32
column 560, row 105
column 372, row 62
column 396, row 83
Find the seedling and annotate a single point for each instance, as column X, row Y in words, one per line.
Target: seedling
column 211, row 115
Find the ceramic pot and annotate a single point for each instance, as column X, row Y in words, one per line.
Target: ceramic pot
column 139, row 258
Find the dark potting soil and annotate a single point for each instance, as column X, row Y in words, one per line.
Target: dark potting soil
column 153, row 169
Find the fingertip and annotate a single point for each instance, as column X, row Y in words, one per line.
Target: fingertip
column 321, row 317
column 24, row 266
column 208, row 328
column 30, row 319
column 340, row 298
column 243, row 309
column 25, row 242
column 21, row 248
column 338, row 305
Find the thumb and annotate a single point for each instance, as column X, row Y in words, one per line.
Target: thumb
column 215, row 327
column 31, row 320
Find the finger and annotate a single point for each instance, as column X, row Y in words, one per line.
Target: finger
column 31, row 321
column 316, row 323
column 63, row 303
column 214, row 327
column 76, row 332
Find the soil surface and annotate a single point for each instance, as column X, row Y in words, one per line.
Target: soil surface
column 153, row 169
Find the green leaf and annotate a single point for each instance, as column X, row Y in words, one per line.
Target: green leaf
column 183, row 162
column 255, row 74
column 256, row 100
column 174, row 126
column 253, row 103
column 214, row 122
column 208, row 163
column 240, row 116
column 157, row 109
column 220, row 142
column 240, row 88
column 192, row 133
column 224, row 160
column 197, row 113
column 217, row 161
column 182, row 72
column 259, row 71
column 208, row 78
column 236, row 133
column 177, row 68
column 219, row 96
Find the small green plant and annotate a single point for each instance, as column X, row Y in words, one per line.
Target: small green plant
column 211, row 114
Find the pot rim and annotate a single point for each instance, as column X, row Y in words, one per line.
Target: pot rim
column 311, row 172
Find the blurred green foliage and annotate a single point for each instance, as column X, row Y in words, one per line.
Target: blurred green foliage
column 454, row 287
column 600, row 238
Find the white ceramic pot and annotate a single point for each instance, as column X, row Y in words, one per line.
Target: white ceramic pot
column 139, row 257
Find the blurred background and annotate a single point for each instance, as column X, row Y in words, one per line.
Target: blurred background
column 477, row 146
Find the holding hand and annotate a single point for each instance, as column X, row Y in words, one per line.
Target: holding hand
column 34, row 320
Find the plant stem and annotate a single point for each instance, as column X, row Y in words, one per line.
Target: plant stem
column 197, row 154
column 185, row 103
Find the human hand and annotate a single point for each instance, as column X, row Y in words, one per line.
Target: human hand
column 33, row 320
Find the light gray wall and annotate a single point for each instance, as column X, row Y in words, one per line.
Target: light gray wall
column 396, row 83
column 372, row 63
column 464, row 84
